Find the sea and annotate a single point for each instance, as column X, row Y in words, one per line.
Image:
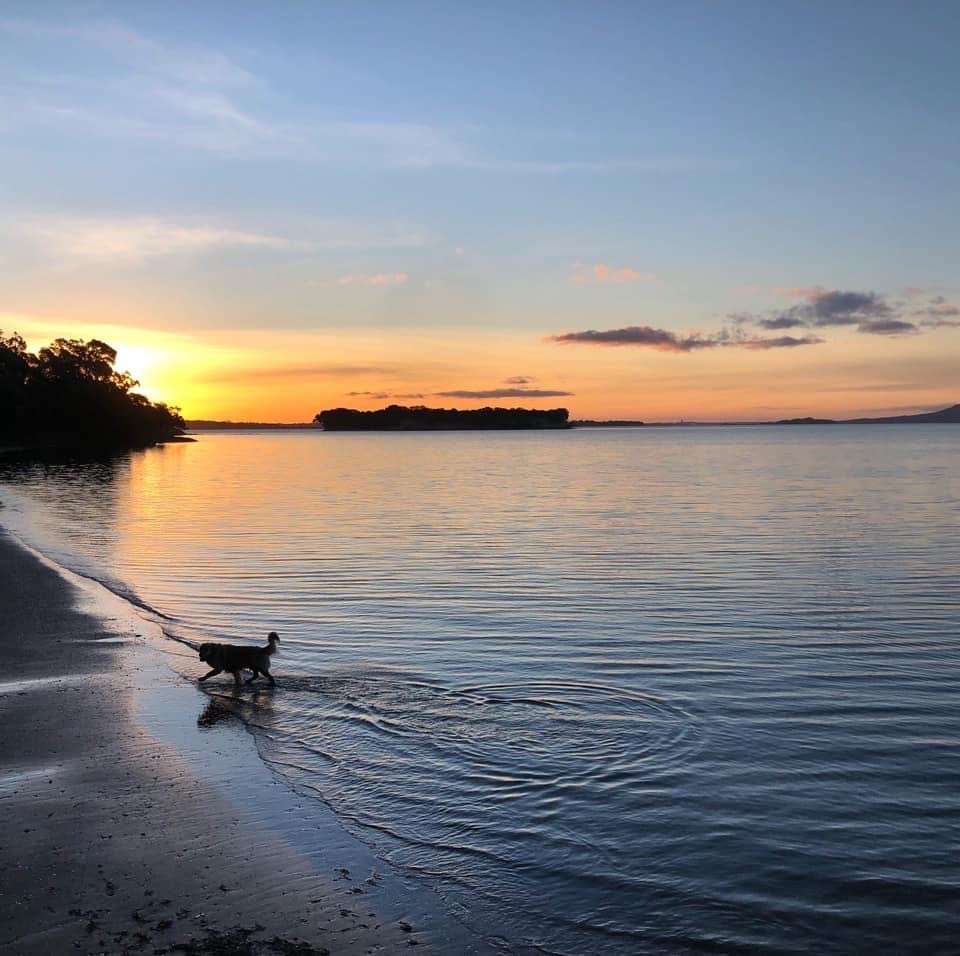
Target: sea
column 606, row 690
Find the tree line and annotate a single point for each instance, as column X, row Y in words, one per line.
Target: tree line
column 420, row 418
column 69, row 394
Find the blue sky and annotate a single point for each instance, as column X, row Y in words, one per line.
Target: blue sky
column 492, row 169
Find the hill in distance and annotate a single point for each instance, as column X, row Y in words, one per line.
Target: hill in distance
column 945, row 416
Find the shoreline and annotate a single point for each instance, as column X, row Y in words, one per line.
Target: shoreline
column 140, row 816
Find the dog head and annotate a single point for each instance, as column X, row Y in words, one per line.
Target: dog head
column 273, row 638
column 205, row 651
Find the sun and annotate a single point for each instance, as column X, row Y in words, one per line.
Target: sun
column 138, row 360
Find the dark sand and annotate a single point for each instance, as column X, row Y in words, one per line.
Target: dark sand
column 138, row 818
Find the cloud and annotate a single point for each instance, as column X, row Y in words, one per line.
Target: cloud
column 179, row 62
column 845, row 308
column 128, row 240
column 782, row 342
column 126, row 85
column 518, row 380
column 130, row 86
column 639, row 335
column 665, row 341
column 503, row 393
column 938, row 313
column 134, row 87
column 870, row 312
column 887, row 327
column 781, row 322
column 642, row 335
column 606, row 274
column 379, row 278
column 131, row 240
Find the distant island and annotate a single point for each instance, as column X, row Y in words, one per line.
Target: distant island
column 421, row 418
column 69, row 396
column 809, row 420
column 945, row 416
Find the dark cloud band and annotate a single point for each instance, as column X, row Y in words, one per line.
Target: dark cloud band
column 870, row 312
column 503, row 393
column 665, row 341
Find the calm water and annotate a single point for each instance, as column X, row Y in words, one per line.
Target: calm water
column 615, row 691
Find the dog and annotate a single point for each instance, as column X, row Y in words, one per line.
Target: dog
column 230, row 657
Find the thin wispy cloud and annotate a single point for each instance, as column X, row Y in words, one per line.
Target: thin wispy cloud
column 134, row 240
column 602, row 274
column 518, row 380
column 181, row 62
column 195, row 97
column 131, row 240
column 124, row 85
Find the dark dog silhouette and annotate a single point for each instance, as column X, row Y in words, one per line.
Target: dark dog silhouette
column 233, row 658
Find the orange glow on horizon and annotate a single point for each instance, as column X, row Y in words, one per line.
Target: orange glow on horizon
column 288, row 376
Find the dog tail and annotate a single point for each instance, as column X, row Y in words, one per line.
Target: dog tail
column 181, row 640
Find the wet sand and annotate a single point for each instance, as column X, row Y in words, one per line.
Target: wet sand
column 138, row 817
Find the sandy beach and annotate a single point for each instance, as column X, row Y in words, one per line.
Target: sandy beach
column 139, row 818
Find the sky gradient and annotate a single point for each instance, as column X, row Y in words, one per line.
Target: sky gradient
column 698, row 210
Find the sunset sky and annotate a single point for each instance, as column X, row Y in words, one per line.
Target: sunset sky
column 688, row 210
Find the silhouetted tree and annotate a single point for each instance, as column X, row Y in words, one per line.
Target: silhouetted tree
column 14, row 369
column 70, row 394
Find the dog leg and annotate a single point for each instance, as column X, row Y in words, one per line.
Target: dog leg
column 212, row 673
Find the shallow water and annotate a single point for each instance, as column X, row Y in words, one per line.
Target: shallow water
column 615, row 691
